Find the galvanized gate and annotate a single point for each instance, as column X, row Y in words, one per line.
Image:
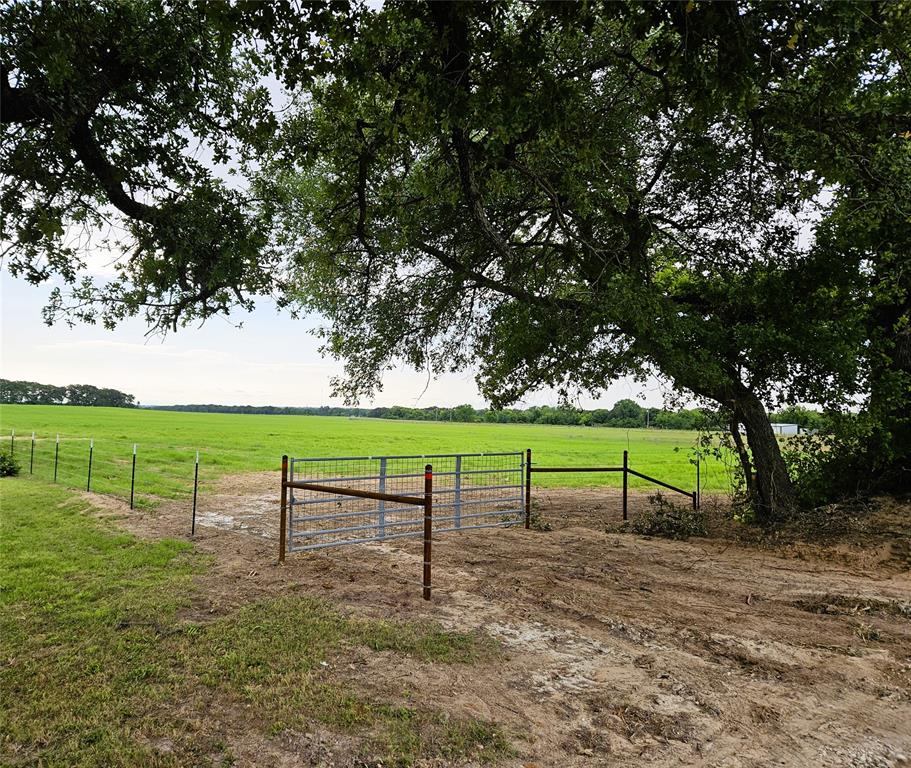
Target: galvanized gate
column 470, row 491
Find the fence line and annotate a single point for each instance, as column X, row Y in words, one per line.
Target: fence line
column 694, row 496
column 112, row 466
column 470, row 480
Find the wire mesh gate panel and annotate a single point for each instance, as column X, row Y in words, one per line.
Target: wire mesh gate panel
column 471, row 490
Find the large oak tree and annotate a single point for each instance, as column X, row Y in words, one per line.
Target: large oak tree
column 559, row 195
column 552, row 194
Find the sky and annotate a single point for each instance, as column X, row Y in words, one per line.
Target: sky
column 272, row 360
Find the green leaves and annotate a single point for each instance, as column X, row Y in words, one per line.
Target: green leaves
column 547, row 195
column 126, row 117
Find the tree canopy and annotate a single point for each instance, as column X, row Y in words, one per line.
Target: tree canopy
column 550, row 194
column 127, row 128
column 563, row 195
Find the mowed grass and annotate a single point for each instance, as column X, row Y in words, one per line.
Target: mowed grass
column 97, row 668
column 234, row 443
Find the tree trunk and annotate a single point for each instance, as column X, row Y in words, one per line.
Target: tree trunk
column 770, row 485
column 742, row 453
column 773, row 490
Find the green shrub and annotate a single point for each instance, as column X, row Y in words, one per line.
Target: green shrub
column 9, row 467
column 669, row 520
column 538, row 523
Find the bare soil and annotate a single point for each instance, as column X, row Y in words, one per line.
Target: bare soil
column 742, row 649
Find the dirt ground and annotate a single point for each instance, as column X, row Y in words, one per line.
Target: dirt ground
column 620, row 650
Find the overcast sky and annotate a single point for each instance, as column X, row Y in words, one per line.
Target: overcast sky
column 272, row 360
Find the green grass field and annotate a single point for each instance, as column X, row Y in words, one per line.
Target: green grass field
column 234, row 443
column 100, row 670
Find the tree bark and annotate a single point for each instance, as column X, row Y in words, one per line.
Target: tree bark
column 890, row 392
column 774, row 493
column 770, row 485
column 742, row 452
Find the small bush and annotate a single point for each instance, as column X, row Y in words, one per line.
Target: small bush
column 9, row 467
column 538, row 523
column 669, row 521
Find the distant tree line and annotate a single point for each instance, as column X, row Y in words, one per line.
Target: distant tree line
column 625, row 413
column 805, row 417
column 33, row 393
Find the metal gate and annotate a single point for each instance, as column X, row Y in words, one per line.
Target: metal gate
column 470, row 491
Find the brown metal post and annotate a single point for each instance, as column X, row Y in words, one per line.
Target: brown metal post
column 283, row 526
column 528, row 489
column 428, row 526
column 695, row 501
column 625, row 479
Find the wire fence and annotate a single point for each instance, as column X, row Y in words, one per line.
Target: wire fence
column 142, row 473
column 472, row 490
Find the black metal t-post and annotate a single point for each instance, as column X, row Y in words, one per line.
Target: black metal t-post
column 625, row 481
column 195, row 486
column 88, row 482
column 133, row 477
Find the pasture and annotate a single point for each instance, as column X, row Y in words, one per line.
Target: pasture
column 231, row 444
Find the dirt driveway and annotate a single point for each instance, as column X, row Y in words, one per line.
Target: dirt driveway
column 619, row 650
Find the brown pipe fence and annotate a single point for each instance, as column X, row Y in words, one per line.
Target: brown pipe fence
column 625, row 469
column 425, row 501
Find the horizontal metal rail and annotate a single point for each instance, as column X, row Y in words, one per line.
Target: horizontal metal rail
column 501, row 524
column 353, row 492
column 370, row 527
column 393, row 523
column 660, row 482
column 362, row 540
column 463, row 489
column 414, row 520
column 575, row 469
column 405, row 476
column 414, row 456
column 388, row 510
column 409, row 534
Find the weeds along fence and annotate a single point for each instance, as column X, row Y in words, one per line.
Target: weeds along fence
column 141, row 473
